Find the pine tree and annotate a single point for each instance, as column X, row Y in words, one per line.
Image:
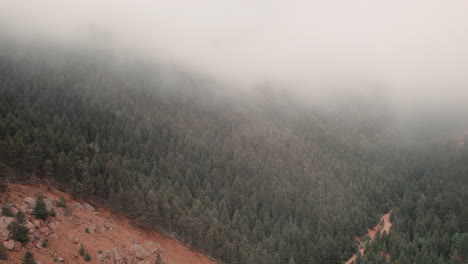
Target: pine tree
column 82, row 250
column 18, row 229
column 29, row 258
column 40, row 210
column 3, row 177
column 87, row 257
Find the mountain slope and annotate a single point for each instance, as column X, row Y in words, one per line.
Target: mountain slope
column 110, row 238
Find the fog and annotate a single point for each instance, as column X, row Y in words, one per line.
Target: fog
column 415, row 53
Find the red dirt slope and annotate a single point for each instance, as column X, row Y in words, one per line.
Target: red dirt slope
column 385, row 227
column 111, row 238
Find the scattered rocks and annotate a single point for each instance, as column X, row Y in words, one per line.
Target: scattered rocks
column 107, row 226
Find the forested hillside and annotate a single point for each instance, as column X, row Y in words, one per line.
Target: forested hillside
column 259, row 180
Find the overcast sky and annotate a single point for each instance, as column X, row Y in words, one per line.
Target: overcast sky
column 414, row 50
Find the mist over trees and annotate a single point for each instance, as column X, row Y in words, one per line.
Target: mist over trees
column 261, row 179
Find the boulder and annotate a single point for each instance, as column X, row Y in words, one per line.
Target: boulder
column 45, row 230
column 30, row 202
column 53, row 236
column 89, row 207
column 54, row 225
column 37, row 235
column 73, row 239
column 77, row 205
column 9, row 245
column 140, row 252
column 30, row 226
column 117, row 256
column 48, row 203
column 92, row 228
column 4, row 223
column 104, row 255
column 36, row 223
column 18, row 246
column 153, row 247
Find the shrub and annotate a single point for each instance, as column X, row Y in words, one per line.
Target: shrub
column 3, row 252
column 45, row 243
column 62, row 202
column 6, row 211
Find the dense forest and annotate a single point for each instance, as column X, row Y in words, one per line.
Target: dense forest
column 257, row 179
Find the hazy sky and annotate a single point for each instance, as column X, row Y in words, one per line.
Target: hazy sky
column 414, row 50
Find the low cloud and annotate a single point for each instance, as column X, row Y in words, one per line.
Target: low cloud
column 414, row 52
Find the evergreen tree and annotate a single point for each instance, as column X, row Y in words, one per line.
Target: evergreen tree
column 29, row 258
column 40, row 210
column 18, row 229
column 81, row 251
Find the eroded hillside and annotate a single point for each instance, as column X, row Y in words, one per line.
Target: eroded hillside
column 106, row 237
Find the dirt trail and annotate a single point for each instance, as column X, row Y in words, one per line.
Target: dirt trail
column 109, row 234
column 384, row 225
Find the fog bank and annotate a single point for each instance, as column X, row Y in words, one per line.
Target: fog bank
column 413, row 52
